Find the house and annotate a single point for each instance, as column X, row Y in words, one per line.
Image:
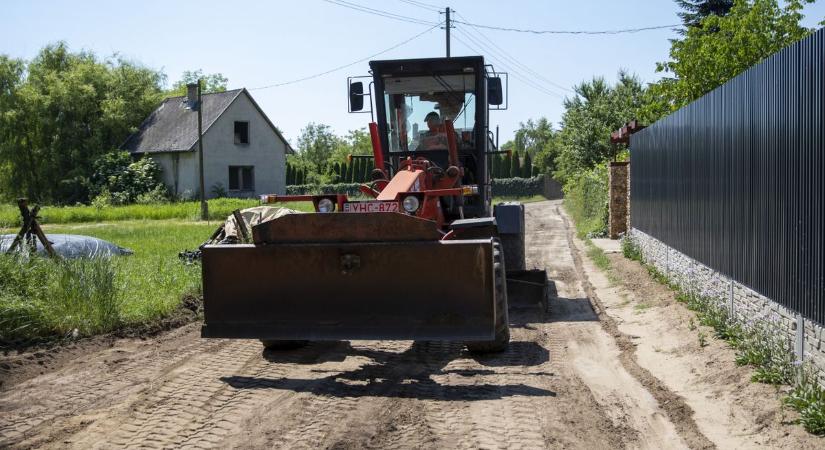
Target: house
column 244, row 154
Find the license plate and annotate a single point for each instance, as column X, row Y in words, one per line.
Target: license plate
column 368, row 207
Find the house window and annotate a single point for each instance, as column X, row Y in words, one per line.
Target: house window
column 241, row 132
column 241, row 178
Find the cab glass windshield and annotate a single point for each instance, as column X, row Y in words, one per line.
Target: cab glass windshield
column 417, row 107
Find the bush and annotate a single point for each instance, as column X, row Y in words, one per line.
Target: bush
column 518, row 187
column 122, row 180
column 585, row 198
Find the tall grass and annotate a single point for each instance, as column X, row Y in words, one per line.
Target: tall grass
column 219, row 209
column 43, row 298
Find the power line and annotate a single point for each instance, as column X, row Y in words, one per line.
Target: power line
column 350, row 64
column 379, row 12
column 422, row 5
column 515, row 74
column 524, row 78
column 522, row 30
column 503, row 53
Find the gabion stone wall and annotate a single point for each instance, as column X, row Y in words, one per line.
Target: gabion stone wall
column 746, row 305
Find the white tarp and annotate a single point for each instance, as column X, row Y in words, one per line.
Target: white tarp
column 71, row 246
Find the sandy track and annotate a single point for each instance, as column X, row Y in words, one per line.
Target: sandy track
column 568, row 381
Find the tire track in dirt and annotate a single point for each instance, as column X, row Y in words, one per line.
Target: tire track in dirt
column 677, row 410
column 366, row 394
column 72, row 396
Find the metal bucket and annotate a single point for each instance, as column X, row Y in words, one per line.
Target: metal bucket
column 426, row 290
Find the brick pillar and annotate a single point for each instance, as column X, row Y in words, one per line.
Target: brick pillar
column 619, row 198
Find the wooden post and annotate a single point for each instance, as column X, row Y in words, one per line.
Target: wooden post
column 31, row 229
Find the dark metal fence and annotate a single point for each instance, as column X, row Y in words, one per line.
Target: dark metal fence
column 735, row 179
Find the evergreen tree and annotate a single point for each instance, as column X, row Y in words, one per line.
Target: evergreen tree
column 288, row 174
column 348, row 177
column 536, row 171
column 515, row 168
column 506, row 166
column 495, row 165
column 694, row 11
column 359, row 171
column 527, row 170
column 367, row 169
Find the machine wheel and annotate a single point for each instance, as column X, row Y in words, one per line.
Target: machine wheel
column 282, row 345
column 514, row 251
column 502, row 335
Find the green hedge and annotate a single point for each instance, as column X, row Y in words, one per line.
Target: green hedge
column 350, row 189
column 585, row 198
column 518, row 187
column 503, row 187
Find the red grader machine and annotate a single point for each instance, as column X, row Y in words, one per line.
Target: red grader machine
column 425, row 257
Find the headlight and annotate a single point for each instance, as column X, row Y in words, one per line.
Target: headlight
column 325, row 205
column 410, row 204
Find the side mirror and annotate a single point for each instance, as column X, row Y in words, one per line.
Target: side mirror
column 356, row 96
column 495, row 95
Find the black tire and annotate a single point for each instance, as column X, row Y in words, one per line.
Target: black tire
column 501, row 339
column 513, row 245
column 282, row 345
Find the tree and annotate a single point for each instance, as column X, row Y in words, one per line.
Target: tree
column 357, row 170
column 694, row 11
column 515, row 165
column 527, row 169
column 213, row 82
column 316, row 144
column 596, row 110
column 60, row 112
column 348, row 176
column 506, row 165
column 495, row 165
column 704, row 59
column 532, row 137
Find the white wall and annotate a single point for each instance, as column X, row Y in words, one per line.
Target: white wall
column 265, row 151
column 180, row 166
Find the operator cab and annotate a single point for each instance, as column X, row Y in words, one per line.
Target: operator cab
column 412, row 100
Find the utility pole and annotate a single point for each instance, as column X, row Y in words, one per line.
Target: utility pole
column 199, row 103
column 447, row 28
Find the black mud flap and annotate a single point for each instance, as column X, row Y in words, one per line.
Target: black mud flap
column 527, row 288
column 425, row 290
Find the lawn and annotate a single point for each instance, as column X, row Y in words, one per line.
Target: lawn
column 219, row 209
column 44, row 298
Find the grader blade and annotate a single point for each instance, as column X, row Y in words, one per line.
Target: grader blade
column 426, row 290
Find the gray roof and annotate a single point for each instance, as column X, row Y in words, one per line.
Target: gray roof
column 173, row 127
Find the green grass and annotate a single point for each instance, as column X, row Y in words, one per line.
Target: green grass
column 42, row 298
column 756, row 345
column 46, row 299
column 219, row 209
column 597, row 255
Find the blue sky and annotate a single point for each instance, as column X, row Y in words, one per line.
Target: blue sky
column 263, row 43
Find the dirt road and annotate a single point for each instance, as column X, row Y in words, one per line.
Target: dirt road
column 569, row 380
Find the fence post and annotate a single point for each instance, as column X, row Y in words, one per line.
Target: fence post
column 617, row 195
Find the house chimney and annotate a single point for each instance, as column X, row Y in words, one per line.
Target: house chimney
column 192, row 95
